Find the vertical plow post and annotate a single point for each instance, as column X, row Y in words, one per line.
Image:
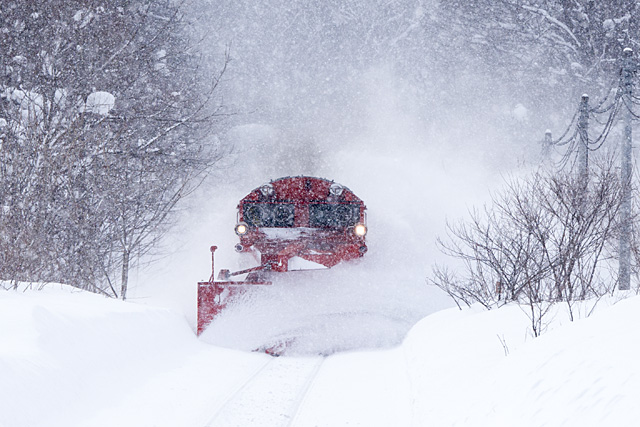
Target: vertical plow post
column 209, row 303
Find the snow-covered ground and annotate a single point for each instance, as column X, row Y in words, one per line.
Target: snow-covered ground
column 70, row 358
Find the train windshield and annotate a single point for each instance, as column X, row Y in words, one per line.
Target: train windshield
column 268, row 214
column 338, row 216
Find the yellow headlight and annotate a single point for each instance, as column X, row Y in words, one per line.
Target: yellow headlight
column 241, row 229
column 360, row 230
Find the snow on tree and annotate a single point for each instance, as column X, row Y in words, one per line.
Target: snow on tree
column 107, row 124
column 550, row 41
column 99, row 103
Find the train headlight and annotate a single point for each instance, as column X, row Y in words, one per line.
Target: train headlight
column 360, row 230
column 241, row 229
column 266, row 190
column 336, row 189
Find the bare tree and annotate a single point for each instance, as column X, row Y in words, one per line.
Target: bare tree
column 577, row 40
column 545, row 239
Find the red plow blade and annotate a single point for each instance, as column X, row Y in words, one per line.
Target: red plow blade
column 213, row 297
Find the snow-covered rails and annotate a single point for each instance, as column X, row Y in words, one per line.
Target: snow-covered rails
column 310, row 218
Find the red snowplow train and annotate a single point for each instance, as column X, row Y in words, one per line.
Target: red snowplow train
column 311, row 218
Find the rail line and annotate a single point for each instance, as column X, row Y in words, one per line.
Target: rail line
column 238, row 390
column 272, row 396
column 304, row 392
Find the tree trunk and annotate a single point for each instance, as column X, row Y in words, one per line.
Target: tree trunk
column 125, row 274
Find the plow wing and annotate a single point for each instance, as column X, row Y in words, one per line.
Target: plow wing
column 213, row 295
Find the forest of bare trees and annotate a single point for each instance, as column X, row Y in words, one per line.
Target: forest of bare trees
column 106, row 123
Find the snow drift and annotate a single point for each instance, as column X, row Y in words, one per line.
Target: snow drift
column 70, row 358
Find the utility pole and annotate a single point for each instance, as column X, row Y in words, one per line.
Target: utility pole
column 547, row 143
column 628, row 70
column 583, row 146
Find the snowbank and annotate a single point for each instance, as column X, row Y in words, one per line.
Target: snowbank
column 69, row 358
column 483, row 368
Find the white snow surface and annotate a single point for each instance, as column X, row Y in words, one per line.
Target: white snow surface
column 71, row 358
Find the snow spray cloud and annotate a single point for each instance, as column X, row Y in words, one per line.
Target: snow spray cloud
column 319, row 93
column 371, row 303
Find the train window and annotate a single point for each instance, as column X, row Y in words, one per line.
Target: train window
column 341, row 215
column 268, row 214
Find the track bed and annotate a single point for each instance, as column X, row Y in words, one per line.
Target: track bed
column 270, row 397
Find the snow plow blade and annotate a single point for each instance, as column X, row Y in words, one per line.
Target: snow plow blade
column 212, row 298
column 213, row 295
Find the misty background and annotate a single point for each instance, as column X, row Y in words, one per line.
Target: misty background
column 422, row 108
column 319, row 76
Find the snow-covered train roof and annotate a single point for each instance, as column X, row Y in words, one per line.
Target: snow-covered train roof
column 302, row 189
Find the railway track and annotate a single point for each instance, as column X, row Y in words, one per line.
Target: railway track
column 272, row 396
